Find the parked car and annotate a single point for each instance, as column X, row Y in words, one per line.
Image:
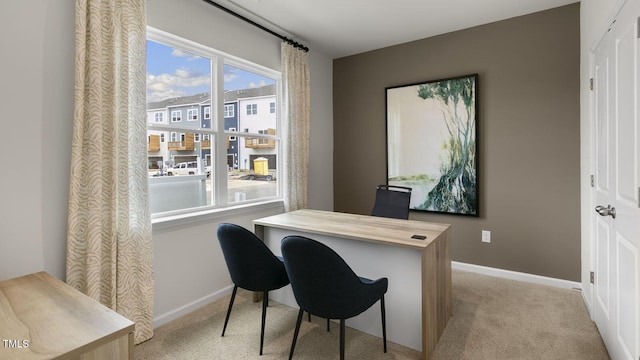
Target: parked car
column 183, row 168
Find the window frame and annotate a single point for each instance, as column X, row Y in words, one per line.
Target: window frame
column 174, row 117
column 216, row 133
column 252, row 109
column 231, row 112
column 191, row 112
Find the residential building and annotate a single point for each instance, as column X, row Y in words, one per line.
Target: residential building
column 250, row 110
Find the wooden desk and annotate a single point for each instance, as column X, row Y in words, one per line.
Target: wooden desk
column 43, row 318
column 418, row 301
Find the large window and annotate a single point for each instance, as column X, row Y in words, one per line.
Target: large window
column 212, row 166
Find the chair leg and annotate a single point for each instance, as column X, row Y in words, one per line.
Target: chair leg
column 233, row 297
column 341, row 339
column 328, row 329
column 295, row 333
column 265, row 302
column 384, row 324
column 309, row 316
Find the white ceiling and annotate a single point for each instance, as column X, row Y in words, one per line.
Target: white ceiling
column 340, row 28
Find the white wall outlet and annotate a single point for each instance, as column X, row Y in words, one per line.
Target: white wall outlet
column 486, row 236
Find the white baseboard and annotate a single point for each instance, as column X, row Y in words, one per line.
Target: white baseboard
column 507, row 274
column 195, row 305
column 514, row 275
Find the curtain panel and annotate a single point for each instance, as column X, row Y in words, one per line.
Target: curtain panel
column 109, row 252
column 296, row 98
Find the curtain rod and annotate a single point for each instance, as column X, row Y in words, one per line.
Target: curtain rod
column 284, row 38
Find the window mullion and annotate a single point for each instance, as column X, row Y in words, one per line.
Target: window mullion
column 217, row 113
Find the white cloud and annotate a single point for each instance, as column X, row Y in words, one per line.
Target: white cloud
column 163, row 86
column 184, row 54
column 260, row 84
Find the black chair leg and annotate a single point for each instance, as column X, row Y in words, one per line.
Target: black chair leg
column 341, row 339
column 309, row 316
column 328, row 329
column 295, row 333
column 265, row 303
column 384, row 324
column 233, row 297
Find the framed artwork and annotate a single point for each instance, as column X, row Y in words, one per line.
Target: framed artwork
column 432, row 130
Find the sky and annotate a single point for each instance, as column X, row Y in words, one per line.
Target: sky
column 173, row 73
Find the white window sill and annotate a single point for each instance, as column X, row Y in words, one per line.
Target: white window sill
column 214, row 214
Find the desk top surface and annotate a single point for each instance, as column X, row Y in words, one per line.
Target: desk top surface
column 50, row 319
column 388, row 231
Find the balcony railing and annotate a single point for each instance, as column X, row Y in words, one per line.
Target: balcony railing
column 251, row 143
column 186, row 145
column 259, row 143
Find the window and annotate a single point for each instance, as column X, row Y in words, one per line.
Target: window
column 158, row 117
column 272, row 108
column 192, row 114
column 229, row 111
column 221, row 169
column 176, row 116
column 263, row 141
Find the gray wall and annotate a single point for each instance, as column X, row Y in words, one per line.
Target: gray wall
column 529, row 135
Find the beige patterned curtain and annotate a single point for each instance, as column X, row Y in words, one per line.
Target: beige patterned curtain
column 109, row 253
column 295, row 75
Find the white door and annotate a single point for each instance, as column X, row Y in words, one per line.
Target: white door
column 616, row 308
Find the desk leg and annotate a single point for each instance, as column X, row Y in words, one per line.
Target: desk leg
column 436, row 292
column 429, row 301
column 259, row 231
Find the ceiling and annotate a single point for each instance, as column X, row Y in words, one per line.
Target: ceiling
column 340, row 28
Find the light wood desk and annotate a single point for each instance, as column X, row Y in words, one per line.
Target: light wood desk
column 418, row 300
column 43, row 318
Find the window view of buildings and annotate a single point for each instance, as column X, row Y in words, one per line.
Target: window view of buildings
column 248, row 111
column 200, row 155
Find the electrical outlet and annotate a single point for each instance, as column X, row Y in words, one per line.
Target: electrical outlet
column 486, row 236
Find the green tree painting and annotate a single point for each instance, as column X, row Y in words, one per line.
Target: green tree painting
column 456, row 189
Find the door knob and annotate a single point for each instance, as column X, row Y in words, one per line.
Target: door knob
column 606, row 211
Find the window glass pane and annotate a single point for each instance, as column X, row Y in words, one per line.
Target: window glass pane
column 252, row 161
column 178, row 84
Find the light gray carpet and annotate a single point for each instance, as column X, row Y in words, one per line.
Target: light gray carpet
column 493, row 319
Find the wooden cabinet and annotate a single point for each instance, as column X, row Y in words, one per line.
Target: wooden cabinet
column 43, row 318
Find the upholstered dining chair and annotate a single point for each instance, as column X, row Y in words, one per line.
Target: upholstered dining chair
column 252, row 266
column 392, row 202
column 324, row 285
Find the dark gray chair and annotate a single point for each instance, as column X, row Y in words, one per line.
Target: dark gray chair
column 324, row 285
column 252, row 266
column 392, row 202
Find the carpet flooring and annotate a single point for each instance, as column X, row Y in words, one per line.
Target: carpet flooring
column 493, row 319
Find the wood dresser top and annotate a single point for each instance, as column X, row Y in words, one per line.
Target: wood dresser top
column 55, row 320
column 387, row 231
